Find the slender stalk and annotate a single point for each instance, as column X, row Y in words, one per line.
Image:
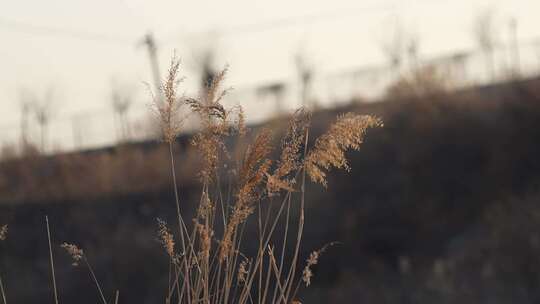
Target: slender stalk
column 275, row 222
column 292, row 270
column 176, row 196
column 3, row 291
column 261, row 237
column 168, row 300
column 95, row 280
column 180, row 221
column 258, row 259
column 284, row 245
column 116, row 297
column 272, row 262
column 51, row 260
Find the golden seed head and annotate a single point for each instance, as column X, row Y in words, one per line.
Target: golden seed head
column 209, row 145
column 241, row 122
column 252, row 173
column 307, row 274
column 166, row 238
column 313, row 259
column 216, row 124
column 213, row 93
column 256, row 157
column 205, row 235
column 3, row 232
column 289, row 160
column 206, row 207
column 243, row 271
column 274, row 184
column 346, row 133
column 75, row 252
column 168, row 109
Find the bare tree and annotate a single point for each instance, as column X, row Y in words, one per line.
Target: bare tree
column 393, row 43
column 207, row 70
column 27, row 99
column 204, row 60
column 484, row 33
column 43, row 112
column 150, row 43
column 122, row 99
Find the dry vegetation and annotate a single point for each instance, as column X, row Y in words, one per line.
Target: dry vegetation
column 209, row 259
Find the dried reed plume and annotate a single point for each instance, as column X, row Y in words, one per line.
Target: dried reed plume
column 346, row 133
column 205, row 237
column 3, row 232
column 166, row 238
column 252, row 173
column 243, row 270
column 312, row 260
column 291, row 146
column 241, row 121
column 206, row 207
column 216, row 124
column 75, row 252
column 77, row 255
column 168, row 110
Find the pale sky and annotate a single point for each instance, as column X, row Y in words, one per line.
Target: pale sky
column 77, row 47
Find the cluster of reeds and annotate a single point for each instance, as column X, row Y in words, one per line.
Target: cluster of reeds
column 212, row 264
column 211, row 256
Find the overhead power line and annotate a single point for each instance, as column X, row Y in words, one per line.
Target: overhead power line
column 302, row 20
column 233, row 30
column 281, row 23
column 64, row 33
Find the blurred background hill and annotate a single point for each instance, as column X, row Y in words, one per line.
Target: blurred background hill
column 441, row 206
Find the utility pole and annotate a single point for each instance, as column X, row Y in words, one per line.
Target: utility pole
column 305, row 74
column 413, row 45
column 25, row 110
column 150, row 43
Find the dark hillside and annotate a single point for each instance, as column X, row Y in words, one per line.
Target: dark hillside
column 441, row 206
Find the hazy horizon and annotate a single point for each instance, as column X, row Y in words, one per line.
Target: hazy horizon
column 78, row 48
